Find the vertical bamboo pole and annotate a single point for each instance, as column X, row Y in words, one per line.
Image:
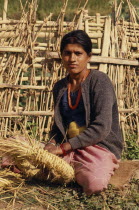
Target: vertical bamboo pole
column 106, row 43
column 115, row 10
column 121, row 78
column 98, row 22
column 5, row 7
column 80, row 21
column 86, row 27
column 5, row 11
column 121, row 99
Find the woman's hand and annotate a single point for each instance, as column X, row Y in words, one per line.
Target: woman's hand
column 58, row 150
column 54, row 149
column 7, row 162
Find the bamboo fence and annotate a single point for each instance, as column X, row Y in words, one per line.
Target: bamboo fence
column 30, row 65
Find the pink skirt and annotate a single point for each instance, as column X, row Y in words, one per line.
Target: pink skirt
column 93, row 166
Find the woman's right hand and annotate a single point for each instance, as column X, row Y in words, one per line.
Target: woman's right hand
column 54, row 149
column 62, row 149
column 50, row 146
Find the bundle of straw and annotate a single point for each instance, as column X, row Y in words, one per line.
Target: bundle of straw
column 32, row 160
column 9, row 178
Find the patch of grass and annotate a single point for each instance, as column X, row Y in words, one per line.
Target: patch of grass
column 131, row 150
column 70, row 197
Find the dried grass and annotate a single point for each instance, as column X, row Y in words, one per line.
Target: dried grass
column 9, row 179
column 33, row 161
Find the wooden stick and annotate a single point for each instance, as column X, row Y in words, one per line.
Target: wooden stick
column 101, row 59
column 5, row 34
column 98, row 29
column 26, row 113
column 38, row 78
column 5, row 9
column 16, row 87
column 132, row 110
column 106, row 43
column 49, row 112
column 12, row 49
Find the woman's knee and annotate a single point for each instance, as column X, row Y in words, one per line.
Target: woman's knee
column 96, row 186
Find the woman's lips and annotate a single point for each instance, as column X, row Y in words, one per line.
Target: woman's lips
column 72, row 65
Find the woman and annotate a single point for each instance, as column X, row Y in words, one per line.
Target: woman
column 86, row 120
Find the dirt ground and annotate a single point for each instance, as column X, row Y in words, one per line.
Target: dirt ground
column 122, row 193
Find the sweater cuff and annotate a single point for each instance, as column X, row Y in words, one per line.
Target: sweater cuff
column 75, row 143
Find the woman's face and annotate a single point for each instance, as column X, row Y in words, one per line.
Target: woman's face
column 75, row 58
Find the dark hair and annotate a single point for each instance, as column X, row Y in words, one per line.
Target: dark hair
column 77, row 37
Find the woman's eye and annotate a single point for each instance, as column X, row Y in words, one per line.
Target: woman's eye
column 78, row 53
column 67, row 53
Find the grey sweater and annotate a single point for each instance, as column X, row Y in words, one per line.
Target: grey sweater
column 101, row 114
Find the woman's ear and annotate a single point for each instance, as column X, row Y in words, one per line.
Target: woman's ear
column 89, row 56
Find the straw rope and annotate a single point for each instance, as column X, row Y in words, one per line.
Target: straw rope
column 26, row 167
column 32, row 160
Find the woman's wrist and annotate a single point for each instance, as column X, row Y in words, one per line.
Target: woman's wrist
column 65, row 148
column 52, row 143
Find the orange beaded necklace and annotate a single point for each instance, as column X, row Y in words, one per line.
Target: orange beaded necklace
column 77, row 99
column 79, row 93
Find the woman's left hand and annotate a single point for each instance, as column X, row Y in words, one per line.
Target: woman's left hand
column 57, row 150
column 54, row 149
